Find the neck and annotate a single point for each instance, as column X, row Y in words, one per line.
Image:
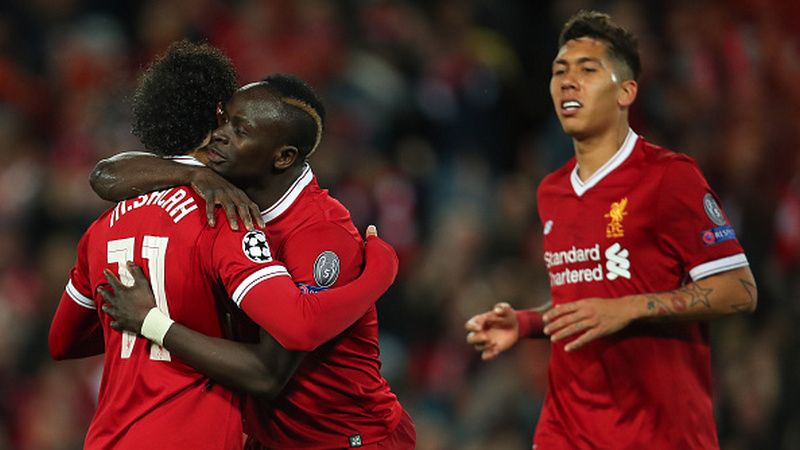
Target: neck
column 594, row 151
column 272, row 187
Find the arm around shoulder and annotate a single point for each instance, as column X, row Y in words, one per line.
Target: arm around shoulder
column 129, row 174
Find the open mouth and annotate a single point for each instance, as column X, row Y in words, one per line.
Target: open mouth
column 571, row 105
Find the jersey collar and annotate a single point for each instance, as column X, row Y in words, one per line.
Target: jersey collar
column 289, row 196
column 286, row 200
column 580, row 187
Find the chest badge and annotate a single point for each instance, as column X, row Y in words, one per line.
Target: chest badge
column 616, row 214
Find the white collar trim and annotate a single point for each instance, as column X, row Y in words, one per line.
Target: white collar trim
column 185, row 159
column 580, row 187
column 289, row 196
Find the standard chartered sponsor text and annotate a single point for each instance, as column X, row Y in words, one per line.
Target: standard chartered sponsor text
column 617, row 263
column 573, row 255
column 569, row 276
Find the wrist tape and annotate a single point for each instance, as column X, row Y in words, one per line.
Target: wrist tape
column 155, row 326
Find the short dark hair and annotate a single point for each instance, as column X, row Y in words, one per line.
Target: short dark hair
column 306, row 114
column 622, row 44
column 174, row 104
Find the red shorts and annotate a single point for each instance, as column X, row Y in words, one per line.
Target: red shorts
column 404, row 437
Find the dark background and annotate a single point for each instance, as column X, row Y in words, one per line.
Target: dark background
column 440, row 128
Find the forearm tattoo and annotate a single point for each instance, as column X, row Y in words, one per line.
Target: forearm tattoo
column 750, row 288
column 688, row 298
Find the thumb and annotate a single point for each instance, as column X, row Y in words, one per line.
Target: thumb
column 502, row 309
column 372, row 230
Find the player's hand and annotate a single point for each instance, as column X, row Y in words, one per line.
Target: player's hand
column 128, row 305
column 493, row 332
column 380, row 254
column 218, row 191
column 372, row 231
column 589, row 319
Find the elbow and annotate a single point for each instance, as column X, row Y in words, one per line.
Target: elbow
column 304, row 340
column 265, row 388
column 748, row 297
column 58, row 351
column 751, row 303
column 300, row 345
column 263, row 382
column 102, row 180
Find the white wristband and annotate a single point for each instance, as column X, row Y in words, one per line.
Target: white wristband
column 155, row 326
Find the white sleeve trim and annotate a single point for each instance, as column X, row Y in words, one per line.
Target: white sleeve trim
column 256, row 277
column 718, row 265
column 79, row 298
column 186, row 160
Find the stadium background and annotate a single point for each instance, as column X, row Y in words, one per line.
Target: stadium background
column 440, row 127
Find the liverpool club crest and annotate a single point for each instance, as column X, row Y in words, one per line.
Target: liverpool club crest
column 616, row 214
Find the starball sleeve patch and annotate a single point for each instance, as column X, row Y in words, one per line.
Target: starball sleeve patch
column 255, row 247
column 713, row 211
column 326, row 269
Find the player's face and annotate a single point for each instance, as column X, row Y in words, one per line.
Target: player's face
column 585, row 89
column 249, row 134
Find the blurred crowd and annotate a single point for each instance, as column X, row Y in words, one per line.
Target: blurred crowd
column 439, row 129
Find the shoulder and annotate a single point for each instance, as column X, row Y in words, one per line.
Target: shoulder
column 558, row 178
column 325, row 229
column 665, row 159
column 324, row 245
column 318, row 211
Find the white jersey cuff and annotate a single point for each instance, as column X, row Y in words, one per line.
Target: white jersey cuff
column 186, row 160
column 79, row 298
column 256, row 277
column 718, row 266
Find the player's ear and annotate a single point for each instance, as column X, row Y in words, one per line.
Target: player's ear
column 285, row 157
column 627, row 93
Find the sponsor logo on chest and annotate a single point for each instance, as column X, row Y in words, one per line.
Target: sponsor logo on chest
column 605, row 263
column 610, row 263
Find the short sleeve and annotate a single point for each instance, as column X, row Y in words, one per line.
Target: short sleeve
column 79, row 287
column 324, row 255
column 243, row 259
column 692, row 225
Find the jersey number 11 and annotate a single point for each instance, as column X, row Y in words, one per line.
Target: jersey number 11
column 154, row 250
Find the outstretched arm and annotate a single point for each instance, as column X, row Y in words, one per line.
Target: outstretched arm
column 730, row 292
column 497, row 330
column 126, row 175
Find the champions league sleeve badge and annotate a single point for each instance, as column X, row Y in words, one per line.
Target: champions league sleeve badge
column 326, row 269
column 255, row 247
column 713, row 211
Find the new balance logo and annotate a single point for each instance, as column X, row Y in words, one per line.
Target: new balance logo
column 617, row 262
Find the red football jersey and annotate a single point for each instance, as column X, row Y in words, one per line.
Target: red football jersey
column 148, row 398
column 338, row 397
column 646, row 221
